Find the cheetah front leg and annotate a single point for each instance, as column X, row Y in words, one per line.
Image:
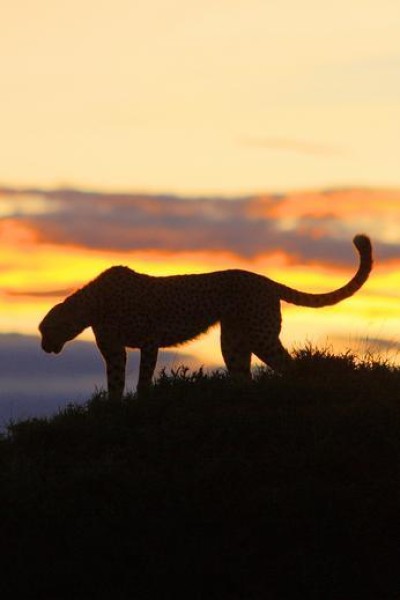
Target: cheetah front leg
column 148, row 360
column 115, row 364
column 115, row 358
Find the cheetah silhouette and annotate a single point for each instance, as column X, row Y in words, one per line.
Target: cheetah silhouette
column 129, row 309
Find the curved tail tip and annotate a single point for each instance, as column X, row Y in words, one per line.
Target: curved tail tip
column 362, row 243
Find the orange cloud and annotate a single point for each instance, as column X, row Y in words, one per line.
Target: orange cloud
column 330, row 203
column 305, row 226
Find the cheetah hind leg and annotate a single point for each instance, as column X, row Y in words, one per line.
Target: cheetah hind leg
column 274, row 355
column 236, row 354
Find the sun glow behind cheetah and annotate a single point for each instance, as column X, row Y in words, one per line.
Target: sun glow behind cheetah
column 54, row 242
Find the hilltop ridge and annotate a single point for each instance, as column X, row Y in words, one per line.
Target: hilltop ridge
column 284, row 488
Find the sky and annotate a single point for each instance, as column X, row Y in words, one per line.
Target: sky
column 228, row 97
column 179, row 137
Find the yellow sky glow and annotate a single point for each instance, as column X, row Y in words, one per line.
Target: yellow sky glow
column 194, row 98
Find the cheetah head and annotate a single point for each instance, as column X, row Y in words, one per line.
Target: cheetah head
column 58, row 327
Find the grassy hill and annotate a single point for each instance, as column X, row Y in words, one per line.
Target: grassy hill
column 285, row 488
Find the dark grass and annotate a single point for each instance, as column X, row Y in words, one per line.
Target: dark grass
column 288, row 487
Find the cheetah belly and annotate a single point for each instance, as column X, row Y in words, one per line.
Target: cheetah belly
column 163, row 330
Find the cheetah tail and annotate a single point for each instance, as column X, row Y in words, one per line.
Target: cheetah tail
column 364, row 249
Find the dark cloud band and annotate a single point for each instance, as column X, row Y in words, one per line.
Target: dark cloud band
column 245, row 226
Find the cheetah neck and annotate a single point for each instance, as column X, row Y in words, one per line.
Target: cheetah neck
column 83, row 303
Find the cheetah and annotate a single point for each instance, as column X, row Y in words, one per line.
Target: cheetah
column 130, row 309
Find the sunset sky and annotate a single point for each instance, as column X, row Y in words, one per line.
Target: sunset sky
column 235, row 96
column 186, row 136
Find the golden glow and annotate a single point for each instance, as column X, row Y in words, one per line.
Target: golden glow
column 35, row 275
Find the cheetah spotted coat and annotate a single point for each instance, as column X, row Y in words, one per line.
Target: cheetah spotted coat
column 129, row 309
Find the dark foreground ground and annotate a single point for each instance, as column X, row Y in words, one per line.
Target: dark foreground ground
column 285, row 488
